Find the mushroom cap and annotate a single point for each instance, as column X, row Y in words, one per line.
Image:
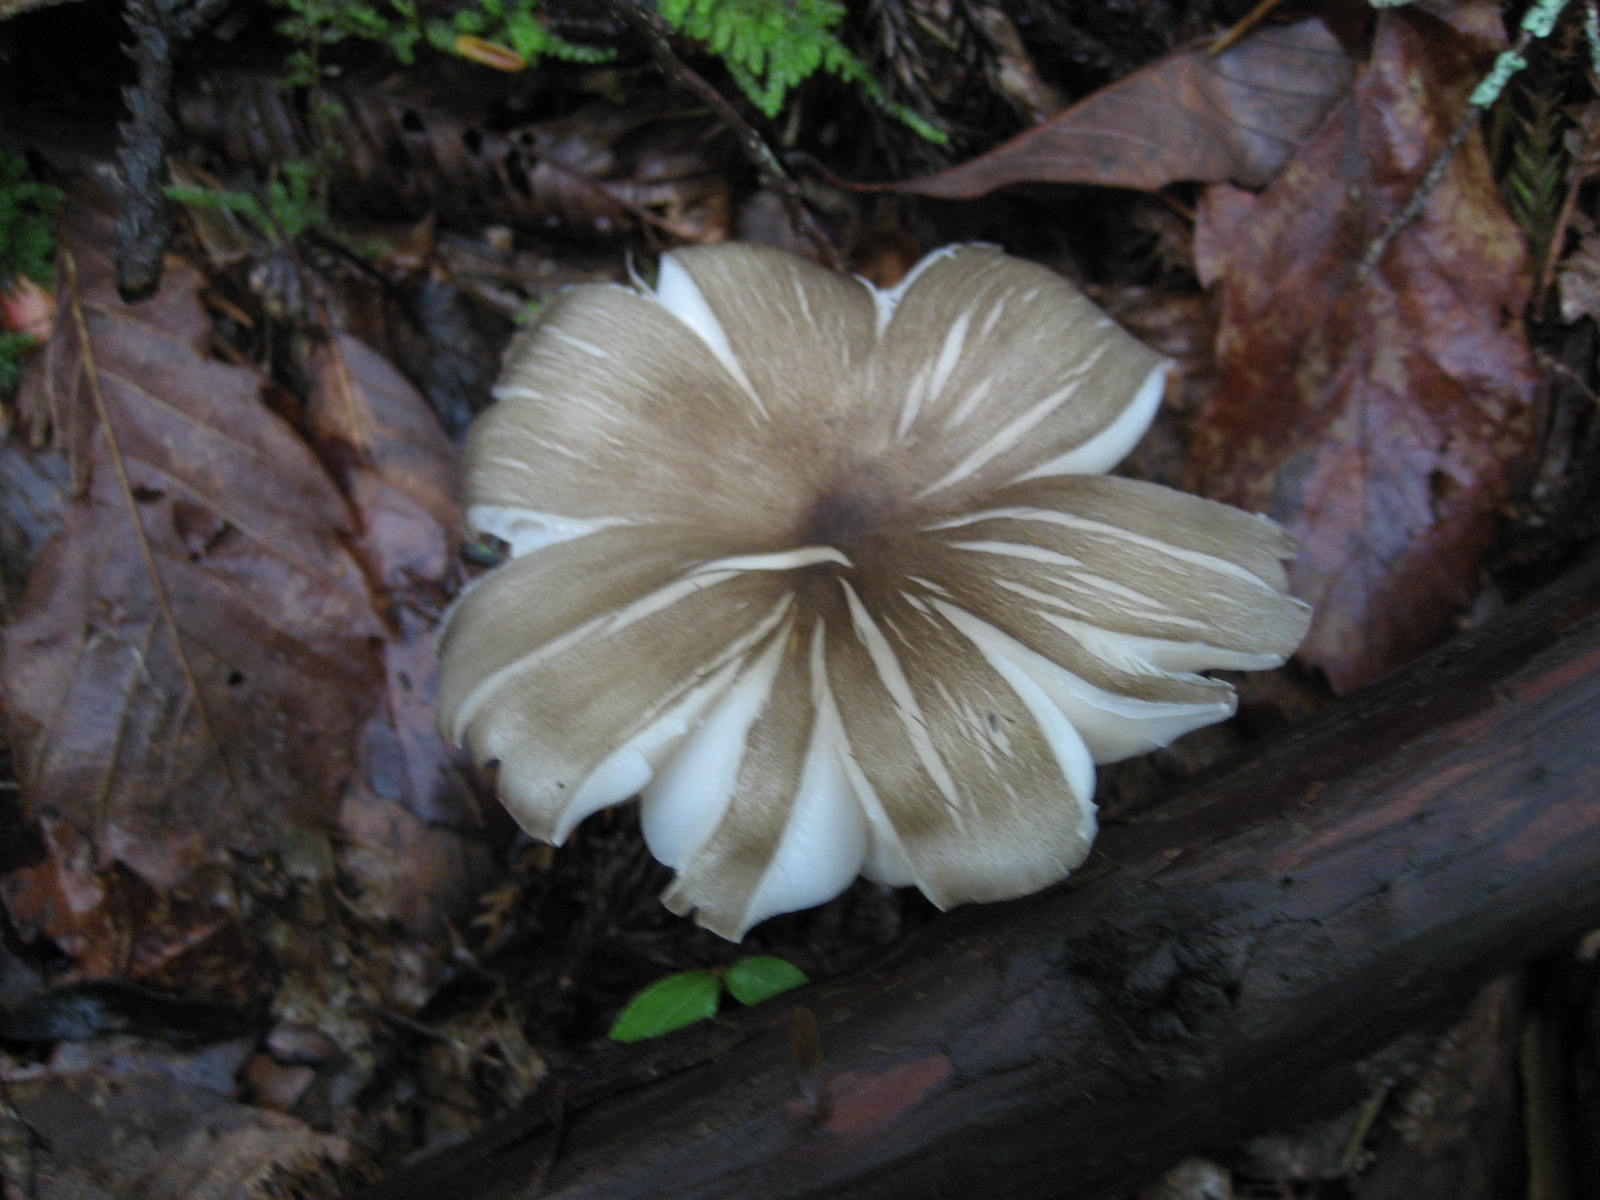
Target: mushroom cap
column 831, row 577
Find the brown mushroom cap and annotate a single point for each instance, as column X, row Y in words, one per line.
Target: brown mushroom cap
column 832, row 577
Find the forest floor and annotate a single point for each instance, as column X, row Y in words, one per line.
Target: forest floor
column 263, row 933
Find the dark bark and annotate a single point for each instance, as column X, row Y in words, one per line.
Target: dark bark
column 1269, row 922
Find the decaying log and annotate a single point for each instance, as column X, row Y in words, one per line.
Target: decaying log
column 1269, row 922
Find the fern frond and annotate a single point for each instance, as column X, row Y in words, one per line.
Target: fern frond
column 772, row 46
column 1533, row 161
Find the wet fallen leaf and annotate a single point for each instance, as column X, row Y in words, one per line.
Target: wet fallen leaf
column 169, row 709
column 193, row 657
column 1188, row 116
column 394, row 463
column 114, row 924
column 32, row 501
column 403, row 815
column 1385, row 419
column 105, row 1136
column 217, row 682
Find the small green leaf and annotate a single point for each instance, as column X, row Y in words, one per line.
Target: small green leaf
column 668, row 1004
column 752, row 980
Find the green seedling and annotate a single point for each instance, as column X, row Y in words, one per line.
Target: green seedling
column 691, row 996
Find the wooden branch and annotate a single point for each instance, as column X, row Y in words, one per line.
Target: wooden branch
column 1267, row 923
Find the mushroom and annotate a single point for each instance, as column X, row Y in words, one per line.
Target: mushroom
column 832, row 578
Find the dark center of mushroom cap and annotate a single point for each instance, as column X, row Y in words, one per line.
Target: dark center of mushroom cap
column 856, row 513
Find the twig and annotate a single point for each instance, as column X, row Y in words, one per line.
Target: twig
column 556, row 1111
column 144, row 225
column 1536, row 23
column 1241, row 27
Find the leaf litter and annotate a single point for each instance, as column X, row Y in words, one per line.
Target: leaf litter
column 216, row 680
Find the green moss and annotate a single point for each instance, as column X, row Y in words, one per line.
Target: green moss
column 12, row 347
column 27, row 221
column 27, row 248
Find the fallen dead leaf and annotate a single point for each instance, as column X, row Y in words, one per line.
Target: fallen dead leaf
column 194, row 656
column 114, row 924
column 391, row 457
column 33, row 499
column 108, row 1136
column 402, row 818
column 217, row 683
column 1188, row 116
column 1385, row 420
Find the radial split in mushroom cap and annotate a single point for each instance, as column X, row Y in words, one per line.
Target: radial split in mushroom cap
column 830, row 576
